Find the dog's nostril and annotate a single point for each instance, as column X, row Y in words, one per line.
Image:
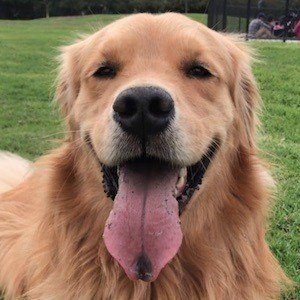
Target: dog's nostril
column 160, row 106
column 144, row 268
column 125, row 107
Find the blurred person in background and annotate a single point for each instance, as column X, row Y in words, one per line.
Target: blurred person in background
column 297, row 28
column 271, row 21
column 278, row 29
column 259, row 28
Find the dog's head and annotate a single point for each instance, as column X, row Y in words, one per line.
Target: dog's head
column 155, row 99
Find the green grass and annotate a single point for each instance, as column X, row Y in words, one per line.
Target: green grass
column 29, row 123
column 278, row 78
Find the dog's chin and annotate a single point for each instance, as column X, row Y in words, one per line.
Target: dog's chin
column 143, row 229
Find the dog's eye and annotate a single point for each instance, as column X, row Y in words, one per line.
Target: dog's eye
column 106, row 72
column 198, row 71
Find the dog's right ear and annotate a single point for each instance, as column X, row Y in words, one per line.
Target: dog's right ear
column 68, row 81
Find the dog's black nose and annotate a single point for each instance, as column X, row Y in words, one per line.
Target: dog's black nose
column 144, row 110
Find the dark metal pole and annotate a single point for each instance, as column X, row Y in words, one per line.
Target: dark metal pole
column 248, row 17
column 186, row 6
column 211, row 14
column 287, row 5
column 224, row 21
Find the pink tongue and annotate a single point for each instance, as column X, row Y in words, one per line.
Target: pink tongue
column 143, row 229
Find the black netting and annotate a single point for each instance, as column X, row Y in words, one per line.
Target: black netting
column 236, row 16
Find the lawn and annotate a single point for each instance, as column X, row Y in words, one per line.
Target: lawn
column 29, row 123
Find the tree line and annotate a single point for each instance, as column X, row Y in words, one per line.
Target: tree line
column 29, row 9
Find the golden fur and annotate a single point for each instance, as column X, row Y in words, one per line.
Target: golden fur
column 51, row 224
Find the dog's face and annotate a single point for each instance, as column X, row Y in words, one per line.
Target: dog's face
column 154, row 98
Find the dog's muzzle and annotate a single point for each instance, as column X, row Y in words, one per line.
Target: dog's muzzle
column 150, row 191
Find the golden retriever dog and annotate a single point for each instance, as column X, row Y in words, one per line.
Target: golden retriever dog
column 157, row 191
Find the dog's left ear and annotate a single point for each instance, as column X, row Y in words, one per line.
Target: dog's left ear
column 245, row 93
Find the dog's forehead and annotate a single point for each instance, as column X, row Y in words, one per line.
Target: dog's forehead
column 145, row 30
column 146, row 23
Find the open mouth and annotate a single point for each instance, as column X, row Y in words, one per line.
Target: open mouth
column 188, row 181
column 143, row 231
